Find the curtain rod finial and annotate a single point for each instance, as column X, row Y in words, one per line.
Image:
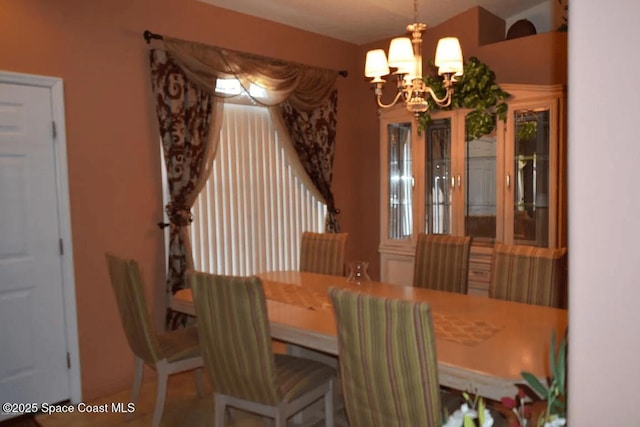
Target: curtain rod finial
column 148, row 35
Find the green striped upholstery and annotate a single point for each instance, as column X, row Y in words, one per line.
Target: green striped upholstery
column 168, row 353
column 236, row 343
column 128, row 288
column 323, row 253
column 232, row 315
column 132, row 306
column 442, row 262
column 529, row 274
column 388, row 361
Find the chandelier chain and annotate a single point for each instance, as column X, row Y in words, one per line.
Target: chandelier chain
column 415, row 10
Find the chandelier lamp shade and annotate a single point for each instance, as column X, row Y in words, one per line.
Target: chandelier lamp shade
column 405, row 62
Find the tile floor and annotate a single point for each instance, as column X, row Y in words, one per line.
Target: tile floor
column 183, row 408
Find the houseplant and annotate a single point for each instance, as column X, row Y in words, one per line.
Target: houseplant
column 474, row 413
column 553, row 393
column 476, row 90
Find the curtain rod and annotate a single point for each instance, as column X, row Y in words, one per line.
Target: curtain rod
column 148, row 35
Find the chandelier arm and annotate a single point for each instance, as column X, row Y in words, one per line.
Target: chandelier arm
column 394, row 102
column 445, row 101
column 407, row 64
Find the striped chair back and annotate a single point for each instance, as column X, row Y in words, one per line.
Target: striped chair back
column 529, row 274
column 128, row 289
column 234, row 335
column 166, row 353
column 323, row 253
column 442, row 262
column 388, row 361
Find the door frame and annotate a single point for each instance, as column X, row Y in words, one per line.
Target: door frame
column 55, row 84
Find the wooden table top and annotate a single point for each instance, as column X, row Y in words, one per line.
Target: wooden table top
column 482, row 344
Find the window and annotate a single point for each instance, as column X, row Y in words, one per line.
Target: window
column 250, row 215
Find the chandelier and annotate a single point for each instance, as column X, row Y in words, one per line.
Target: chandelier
column 405, row 57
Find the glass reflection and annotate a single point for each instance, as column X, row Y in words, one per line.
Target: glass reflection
column 531, row 180
column 438, row 179
column 400, row 181
column 480, row 184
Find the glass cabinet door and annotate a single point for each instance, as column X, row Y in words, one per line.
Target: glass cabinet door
column 531, row 175
column 400, row 182
column 438, row 176
column 480, row 195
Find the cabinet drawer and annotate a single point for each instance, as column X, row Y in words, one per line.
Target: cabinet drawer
column 480, row 270
column 480, row 273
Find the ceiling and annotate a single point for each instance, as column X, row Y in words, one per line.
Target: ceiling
column 364, row 21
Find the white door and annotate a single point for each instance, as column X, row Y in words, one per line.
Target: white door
column 33, row 342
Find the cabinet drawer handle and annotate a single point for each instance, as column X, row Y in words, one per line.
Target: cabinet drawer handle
column 480, row 272
column 453, row 182
column 508, row 180
column 459, row 181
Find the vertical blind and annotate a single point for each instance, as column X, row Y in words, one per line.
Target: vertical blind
column 253, row 209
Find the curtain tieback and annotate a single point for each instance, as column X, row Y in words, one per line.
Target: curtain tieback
column 179, row 215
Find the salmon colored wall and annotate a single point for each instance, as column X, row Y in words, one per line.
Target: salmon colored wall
column 97, row 48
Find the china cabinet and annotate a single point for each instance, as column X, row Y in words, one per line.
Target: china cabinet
column 508, row 186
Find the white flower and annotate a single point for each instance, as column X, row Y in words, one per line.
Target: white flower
column 555, row 421
column 488, row 419
column 457, row 418
column 468, row 412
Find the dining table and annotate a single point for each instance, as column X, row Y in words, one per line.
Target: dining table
column 483, row 345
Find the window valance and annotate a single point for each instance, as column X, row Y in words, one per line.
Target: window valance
column 303, row 86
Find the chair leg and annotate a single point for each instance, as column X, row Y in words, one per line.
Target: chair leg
column 137, row 382
column 329, row 399
column 161, row 392
column 219, row 408
column 199, row 386
column 280, row 418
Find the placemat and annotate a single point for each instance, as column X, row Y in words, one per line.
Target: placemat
column 462, row 330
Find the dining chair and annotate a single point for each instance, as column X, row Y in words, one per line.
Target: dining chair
column 167, row 353
column 529, row 274
column 388, row 362
column 442, row 262
column 323, row 253
column 234, row 332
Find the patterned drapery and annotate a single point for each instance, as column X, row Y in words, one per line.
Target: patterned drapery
column 184, row 117
column 307, row 96
column 184, row 81
column 314, row 135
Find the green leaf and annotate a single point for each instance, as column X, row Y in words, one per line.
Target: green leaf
column 468, row 422
column 562, row 365
column 552, row 356
column 475, row 90
column 536, row 385
column 558, row 407
column 481, row 408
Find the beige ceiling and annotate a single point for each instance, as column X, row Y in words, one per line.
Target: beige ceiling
column 364, row 21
